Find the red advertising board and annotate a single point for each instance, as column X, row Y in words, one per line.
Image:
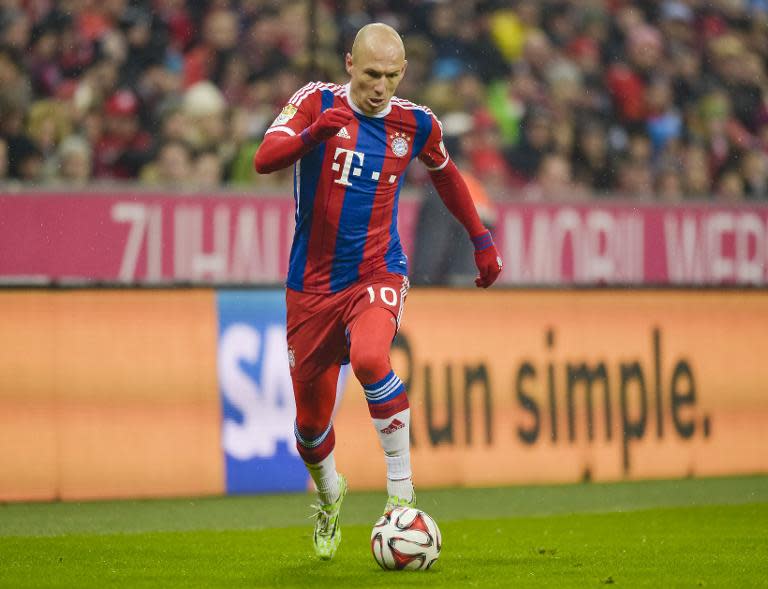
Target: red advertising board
column 144, row 238
column 617, row 243
column 160, row 238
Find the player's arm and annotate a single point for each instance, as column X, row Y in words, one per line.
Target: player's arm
column 455, row 195
column 282, row 146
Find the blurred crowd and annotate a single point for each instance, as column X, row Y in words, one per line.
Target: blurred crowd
column 545, row 100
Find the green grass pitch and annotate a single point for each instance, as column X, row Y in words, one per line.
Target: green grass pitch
column 688, row 533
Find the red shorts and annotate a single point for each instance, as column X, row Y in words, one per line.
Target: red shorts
column 319, row 324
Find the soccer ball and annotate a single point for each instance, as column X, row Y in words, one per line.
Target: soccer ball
column 405, row 538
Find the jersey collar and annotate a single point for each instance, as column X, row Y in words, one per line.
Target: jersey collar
column 356, row 108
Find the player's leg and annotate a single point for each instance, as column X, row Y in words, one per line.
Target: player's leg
column 316, row 343
column 315, row 440
column 371, row 336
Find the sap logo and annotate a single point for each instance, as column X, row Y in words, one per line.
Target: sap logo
column 255, row 381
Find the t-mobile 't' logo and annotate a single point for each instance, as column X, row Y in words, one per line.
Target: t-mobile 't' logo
column 393, row 427
column 349, row 157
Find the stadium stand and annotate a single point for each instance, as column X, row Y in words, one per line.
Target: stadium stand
column 546, row 100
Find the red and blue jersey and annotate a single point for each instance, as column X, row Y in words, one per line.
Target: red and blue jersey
column 346, row 189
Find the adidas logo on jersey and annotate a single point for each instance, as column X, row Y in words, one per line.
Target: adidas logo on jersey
column 343, row 133
column 393, row 427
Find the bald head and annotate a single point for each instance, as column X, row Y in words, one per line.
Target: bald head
column 377, row 38
column 375, row 66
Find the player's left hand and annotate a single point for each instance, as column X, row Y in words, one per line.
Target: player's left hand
column 487, row 260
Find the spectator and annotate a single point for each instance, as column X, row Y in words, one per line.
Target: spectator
column 15, row 93
column 25, row 160
column 173, row 121
column 719, row 130
column 730, row 187
column 696, row 174
column 635, row 179
column 669, row 185
column 639, row 149
column 535, row 142
column 673, row 76
column 754, row 171
column 48, row 124
column 593, row 163
column 44, row 47
column 626, row 80
column 677, row 24
column 123, row 148
column 207, row 60
column 207, row 171
column 510, row 28
column 664, row 123
column 554, row 182
column 480, row 142
column 447, row 46
column 172, row 167
column 688, row 80
column 584, row 51
column 205, row 110
column 145, row 42
column 74, row 162
column 14, row 30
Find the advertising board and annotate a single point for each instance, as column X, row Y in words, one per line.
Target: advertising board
column 108, row 394
column 160, row 238
column 138, row 393
column 553, row 386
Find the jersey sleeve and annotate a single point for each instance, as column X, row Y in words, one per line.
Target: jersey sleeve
column 299, row 113
column 434, row 155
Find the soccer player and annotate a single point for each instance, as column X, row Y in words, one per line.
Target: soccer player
column 347, row 276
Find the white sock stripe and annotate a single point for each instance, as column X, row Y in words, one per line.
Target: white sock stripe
column 394, row 386
column 384, row 395
column 310, row 443
column 368, row 388
column 392, row 393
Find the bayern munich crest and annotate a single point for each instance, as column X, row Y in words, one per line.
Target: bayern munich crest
column 399, row 143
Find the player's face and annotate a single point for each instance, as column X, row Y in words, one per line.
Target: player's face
column 374, row 77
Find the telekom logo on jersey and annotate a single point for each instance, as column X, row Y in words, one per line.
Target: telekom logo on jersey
column 344, row 160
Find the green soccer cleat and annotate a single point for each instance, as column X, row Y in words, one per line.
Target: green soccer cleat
column 327, row 536
column 395, row 501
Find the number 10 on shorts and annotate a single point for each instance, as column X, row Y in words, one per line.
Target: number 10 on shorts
column 387, row 294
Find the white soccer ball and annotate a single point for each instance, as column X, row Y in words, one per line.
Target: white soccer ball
column 406, row 539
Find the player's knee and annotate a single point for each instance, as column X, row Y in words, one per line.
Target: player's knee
column 315, row 448
column 309, row 429
column 369, row 364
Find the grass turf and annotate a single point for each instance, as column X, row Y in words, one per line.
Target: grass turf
column 690, row 533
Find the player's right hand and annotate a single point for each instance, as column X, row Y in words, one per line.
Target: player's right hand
column 487, row 260
column 329, row 123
